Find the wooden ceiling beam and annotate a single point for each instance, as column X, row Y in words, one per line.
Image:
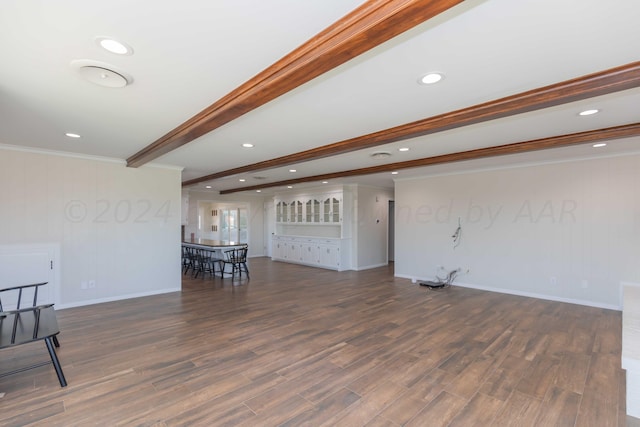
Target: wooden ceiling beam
column 592, row 136
column 371, row 24
column 609, row 81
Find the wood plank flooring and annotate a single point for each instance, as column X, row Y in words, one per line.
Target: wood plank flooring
column 298, row 346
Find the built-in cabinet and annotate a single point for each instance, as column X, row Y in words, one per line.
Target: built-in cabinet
column 320, row 209
column 311, row 230
column 317, row 252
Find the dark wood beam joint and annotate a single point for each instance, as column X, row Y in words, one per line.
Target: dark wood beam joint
column 609, row 81
column 617, row 132
column 371, row 24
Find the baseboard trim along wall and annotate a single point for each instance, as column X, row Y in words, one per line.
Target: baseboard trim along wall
column 525, row 294
column 116, row 298
column 369, row 267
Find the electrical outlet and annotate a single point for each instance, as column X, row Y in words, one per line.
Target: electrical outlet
column 91, row 284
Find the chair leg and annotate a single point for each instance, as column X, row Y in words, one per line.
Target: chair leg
column 246, row 270
column 55, row 361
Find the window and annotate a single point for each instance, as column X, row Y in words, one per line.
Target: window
column 233, row 225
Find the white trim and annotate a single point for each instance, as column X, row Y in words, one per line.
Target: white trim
column 522, row 165
column 81, row 156
column 368, row 267
column 116, row 298
column 526, row 294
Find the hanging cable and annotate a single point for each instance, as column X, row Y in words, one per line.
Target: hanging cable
column 457, row 235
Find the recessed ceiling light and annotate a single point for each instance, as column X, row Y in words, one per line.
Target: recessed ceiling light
column 258, row 191
column 242, row 180
column 72, row 135
column 394, row 173
column 292, row 170
column 207, row 186
column 247, row 145
column 589, row 112
column 114, row 46
column 325, row 182
column 289, row 186
column 430, row 78
column 601, row 144
column 403, row 149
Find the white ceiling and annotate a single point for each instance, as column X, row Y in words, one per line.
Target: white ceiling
column 188, row 54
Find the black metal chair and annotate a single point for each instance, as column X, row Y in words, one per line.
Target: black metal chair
column 26, row 325
column 190, row 260
column 206, row 262
column 19, row 290
column 237, row 258
column 186, row 259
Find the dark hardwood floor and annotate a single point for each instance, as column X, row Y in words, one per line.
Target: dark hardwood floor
column 301, row 346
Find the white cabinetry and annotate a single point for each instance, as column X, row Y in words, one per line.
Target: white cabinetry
column 329, row 254
column 317, row 252
column 314, row 228
column 314, row 209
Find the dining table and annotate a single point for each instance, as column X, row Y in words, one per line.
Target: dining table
column 216, row 247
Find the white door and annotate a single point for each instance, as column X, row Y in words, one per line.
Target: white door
column 27, row 264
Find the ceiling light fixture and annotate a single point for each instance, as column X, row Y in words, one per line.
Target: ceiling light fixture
column 601, row 144
column 247, row 145
column 325, row 182
column 292, row 170
column 258, row 191
column 430, row 78
column 242, row 180
column 588, row 112
column 72, row 135
column 114, row 46
column 403, row 149
column 394, row 173
column 207, row 186
column 380, row 154
column 101, row 73
column 289, row 186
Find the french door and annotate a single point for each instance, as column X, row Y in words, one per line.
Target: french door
column 233, row 225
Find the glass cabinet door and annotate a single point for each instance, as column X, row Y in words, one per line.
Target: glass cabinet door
column 298, row 205
column 335, row 209
column 308, row 211
column 292, row 210
column 326, row 212
column 316, row 210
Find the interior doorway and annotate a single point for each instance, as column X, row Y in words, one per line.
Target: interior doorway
column 391, row 228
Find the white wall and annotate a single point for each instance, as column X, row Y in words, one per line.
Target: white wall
column 116, row 226
column 371, row 231
column 255, row 205
column 566, row 231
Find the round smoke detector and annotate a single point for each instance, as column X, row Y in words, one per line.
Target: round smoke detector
column 101, row 74
column 381, row 154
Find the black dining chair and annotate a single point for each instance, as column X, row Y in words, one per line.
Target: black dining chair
column 189, row 260
column 237, row 258
column 206, row 262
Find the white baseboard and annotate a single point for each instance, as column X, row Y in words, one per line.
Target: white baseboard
column 525, row 294
column 369, row 267
column 115, row 298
